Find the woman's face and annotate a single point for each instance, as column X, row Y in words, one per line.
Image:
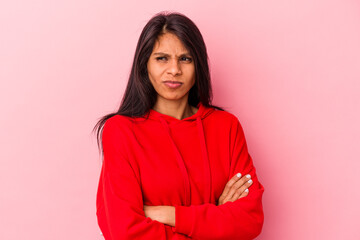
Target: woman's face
column 171, row 62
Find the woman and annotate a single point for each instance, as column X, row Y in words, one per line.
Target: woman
column 175, row 166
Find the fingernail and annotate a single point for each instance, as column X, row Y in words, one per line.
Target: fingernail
column 238, row 175
column 246, row 190
column 248, row 176
column 250, row 181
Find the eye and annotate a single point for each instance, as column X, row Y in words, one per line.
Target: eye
column 187, row 59
column 160, row 58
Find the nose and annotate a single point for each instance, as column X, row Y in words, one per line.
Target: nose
column 174, row 67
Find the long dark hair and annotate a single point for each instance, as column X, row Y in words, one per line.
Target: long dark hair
column 140, row 95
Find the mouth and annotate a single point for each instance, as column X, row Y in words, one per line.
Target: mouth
column 172, row 84
column 169, row 81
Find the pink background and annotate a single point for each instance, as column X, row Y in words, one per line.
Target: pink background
column 289, row 70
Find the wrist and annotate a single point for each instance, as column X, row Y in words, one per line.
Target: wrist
column 170, row 216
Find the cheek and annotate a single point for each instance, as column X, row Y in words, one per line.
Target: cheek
column 154, row 72
column 191, row 73
column 191, row 69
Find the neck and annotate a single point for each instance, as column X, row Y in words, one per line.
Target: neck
column 176, row 109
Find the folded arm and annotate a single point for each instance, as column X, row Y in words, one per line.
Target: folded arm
column 240, row 219
column 119, row 202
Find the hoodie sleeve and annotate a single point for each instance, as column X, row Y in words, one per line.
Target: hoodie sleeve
column 119, row 203
column 240, row 219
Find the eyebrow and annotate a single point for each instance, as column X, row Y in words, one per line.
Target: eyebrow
column 165, row 54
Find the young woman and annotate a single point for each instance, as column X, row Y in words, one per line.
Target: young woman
column 175, row 166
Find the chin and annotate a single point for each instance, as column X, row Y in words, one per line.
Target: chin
column 173, row 97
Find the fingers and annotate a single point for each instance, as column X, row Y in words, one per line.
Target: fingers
column 228, row 186
column 245, row 193
column 230, row 183
column 238, row 188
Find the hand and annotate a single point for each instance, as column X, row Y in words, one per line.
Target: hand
column 163, row 214
column 236, row 187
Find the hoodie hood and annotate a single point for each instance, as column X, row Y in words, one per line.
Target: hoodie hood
column 168, row 122
column 202, row 113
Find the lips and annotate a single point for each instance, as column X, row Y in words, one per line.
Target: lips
column 173, row 84
column 168, row 81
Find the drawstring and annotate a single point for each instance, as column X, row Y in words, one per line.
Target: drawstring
column 182, row 164
column 205, row 158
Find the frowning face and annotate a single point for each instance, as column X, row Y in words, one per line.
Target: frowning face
column 171, row 68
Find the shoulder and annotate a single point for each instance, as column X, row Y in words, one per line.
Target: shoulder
column 225, row 117
column 118, row 120
column 117, row 125
column 228, row 122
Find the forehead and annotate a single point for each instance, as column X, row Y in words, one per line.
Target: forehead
column 169, row 42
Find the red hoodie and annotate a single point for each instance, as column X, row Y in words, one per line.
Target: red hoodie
column 183, row 163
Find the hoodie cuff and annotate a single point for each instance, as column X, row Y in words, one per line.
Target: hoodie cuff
column 184, row 220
